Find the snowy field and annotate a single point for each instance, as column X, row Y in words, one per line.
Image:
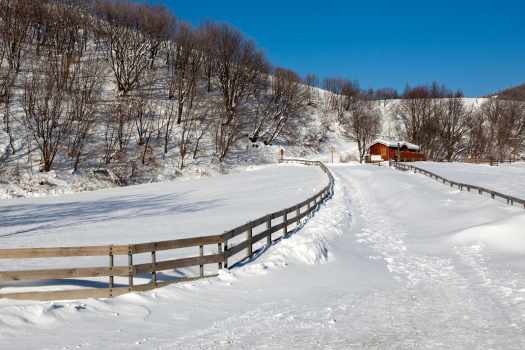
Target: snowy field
column 152, row 212
column 394, row 261
column 505, row 178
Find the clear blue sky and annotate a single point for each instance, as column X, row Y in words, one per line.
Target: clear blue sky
column 478, row 46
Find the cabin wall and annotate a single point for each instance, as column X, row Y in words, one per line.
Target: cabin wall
column 380, row 150
column 390, row 153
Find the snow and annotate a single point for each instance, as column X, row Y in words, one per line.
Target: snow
column 504, row 236
column 401, row 144
column 391, row 262
column 157, row 211
column 505, row 178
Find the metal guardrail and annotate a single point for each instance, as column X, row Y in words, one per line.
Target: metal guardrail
column 511, row 200
column 227, row 248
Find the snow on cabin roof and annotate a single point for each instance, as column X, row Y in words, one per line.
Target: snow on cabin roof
column 394, row 144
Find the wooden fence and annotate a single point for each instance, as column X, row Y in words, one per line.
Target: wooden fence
column 492, row 162
column 227, row 247
column 511, row 200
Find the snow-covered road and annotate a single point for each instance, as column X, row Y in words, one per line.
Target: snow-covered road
column 392, row 262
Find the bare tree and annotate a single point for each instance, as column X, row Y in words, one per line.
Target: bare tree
column 15, row 24
column 118, row 129
column 239, row 65
column 44, row 112
column 477, row 140
column 452, row 116
column 312, row 83
column 361, row 122
column 144, row 116
column 286, row 99
column 208, row 32
column 159, row 25
column 127, row 45
column 506, row 126
column 83, row 105
column 185, row 66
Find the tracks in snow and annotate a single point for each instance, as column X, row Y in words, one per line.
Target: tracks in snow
column 445, row 304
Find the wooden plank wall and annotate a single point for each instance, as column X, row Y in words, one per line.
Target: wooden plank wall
column 228, row 245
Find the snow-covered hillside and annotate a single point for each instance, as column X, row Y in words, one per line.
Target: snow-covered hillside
column 394, row 261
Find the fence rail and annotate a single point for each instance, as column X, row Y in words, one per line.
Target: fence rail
column 511, row 200
column 227, row 248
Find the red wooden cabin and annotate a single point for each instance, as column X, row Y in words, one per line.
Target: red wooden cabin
column 389, row 150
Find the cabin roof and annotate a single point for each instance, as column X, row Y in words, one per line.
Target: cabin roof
column 394, row 144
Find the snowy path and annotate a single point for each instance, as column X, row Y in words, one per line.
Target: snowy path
column 390, row 263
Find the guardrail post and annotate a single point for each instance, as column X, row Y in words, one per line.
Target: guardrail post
column 201, row 254
column 154, row 265
column 111, row 265
column 219, row 250
column 249, row 236
column 269, row 227
column 130, row 269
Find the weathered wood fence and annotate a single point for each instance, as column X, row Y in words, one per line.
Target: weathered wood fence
column 511, row 200
column 228, row 249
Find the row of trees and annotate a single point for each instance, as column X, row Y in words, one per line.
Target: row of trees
column 448, row 127
column 171, row 82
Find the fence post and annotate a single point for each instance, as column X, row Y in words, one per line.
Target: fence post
column 298, row 214
column 111, row 265
column 201, row 254
column 130, row 269
column 249, row 236
column 219, row 249
column 285, row 222
column 154, row 265
column 225, row 253
column 269, row 227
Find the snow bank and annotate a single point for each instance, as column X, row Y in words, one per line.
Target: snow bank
column 503, row 236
